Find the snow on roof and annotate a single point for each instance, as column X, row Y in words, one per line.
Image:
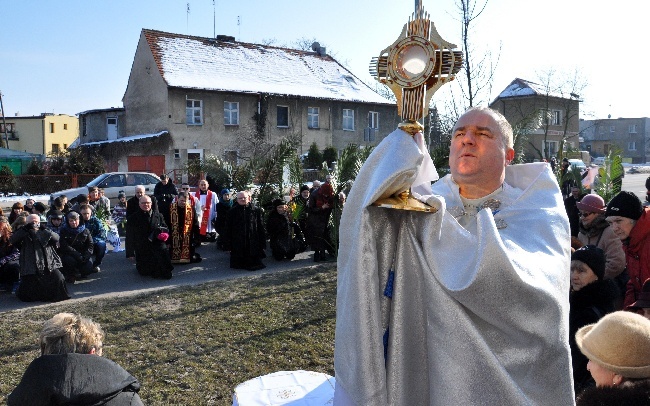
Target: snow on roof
column 206, row 63
column 522, row 87
column 123, row 139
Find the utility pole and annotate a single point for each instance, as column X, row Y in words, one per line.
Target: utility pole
column 214, row 20
column 4, row 122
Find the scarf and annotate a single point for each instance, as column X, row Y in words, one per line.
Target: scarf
column 206, row 211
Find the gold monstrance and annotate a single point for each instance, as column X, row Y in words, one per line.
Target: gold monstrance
column 414, row 67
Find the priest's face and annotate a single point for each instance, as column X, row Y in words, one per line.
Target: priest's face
column 182, row 200
column 203, row 185
column 478, row 154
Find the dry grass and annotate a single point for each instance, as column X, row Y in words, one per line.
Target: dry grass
column 193, row 345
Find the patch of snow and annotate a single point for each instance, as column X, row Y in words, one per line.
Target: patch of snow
column 126, row 139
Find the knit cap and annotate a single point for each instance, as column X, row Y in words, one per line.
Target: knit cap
column 593, row 256
column 625, row 204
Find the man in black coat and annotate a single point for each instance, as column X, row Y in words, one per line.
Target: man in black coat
column 133, row 206
column 245, row 236
column 570, row 205
column 164, row 192
column 149, row 235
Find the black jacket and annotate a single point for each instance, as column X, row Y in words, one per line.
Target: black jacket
column 75, row 379
column 628, row 394
column 75, row 243
column 587, row 306
column 37, row 250
column 245, row 236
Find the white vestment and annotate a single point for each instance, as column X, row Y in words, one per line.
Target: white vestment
column 211, row 209
column 477, row 314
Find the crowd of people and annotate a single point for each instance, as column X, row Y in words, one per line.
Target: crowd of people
column 159, row 230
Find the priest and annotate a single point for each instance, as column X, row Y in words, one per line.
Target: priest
column 468, row 305
column 208, row 200
column 184, row 230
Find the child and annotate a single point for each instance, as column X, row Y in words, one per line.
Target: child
column 119, row 213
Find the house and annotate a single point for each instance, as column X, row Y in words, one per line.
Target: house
column 629, row 135
column 543, row 121
column 41, row 134
column 190, row 97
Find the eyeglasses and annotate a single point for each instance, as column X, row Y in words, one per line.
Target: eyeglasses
column 583, row 214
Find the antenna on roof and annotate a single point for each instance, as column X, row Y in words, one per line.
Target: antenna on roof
column 188, row 18
column 239, row 27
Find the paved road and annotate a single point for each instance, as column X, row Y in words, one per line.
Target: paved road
column 119, row 277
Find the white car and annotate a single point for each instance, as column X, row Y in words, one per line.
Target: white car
column 598, row 161
column 113, row 183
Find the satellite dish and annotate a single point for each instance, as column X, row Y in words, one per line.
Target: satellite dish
column 315, row 47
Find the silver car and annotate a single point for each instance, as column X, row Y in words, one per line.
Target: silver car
column 113, row 183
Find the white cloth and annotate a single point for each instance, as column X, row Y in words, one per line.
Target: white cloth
column 212, row 208
column 478, row 315
column 294, row 388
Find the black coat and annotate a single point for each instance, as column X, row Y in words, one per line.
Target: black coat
column 75, row 379
column 37, row 250
column 587, row 306
column 282, row 234
column 78, row 245
column 132, row 207
column 632, row 394
column 151, row 254
column 245, row 236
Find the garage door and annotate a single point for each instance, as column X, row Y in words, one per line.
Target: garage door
column 154, row 164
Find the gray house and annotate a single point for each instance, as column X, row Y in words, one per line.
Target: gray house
column 188, row 97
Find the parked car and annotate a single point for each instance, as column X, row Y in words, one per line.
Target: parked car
column 577, row 163
column 599, row 161
column 113, row 183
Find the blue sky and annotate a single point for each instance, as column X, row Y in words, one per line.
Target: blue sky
column 75, row 55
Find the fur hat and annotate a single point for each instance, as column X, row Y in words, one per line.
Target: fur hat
column 625, row 204
column 643, row 299
column 593, row 256
column 303, row 188
column 592, row 204
column 619, row 342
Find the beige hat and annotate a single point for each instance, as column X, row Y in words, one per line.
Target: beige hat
column 619, row 342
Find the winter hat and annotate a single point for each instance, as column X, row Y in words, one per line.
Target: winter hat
column 225, row 191
column 643, row 299
column 40, row 207
column 593, row 256
column 278, row 202
column 625, row 204
column 303, row 188
column 592, row 204
column 73, row 215
column 619, row 342
column 121, row 194
column 56, row 214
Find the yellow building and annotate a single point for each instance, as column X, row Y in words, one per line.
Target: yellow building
column 40, row 134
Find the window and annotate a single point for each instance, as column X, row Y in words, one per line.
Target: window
column 55, row 148
column 65, row 126
column 193, row 112
column 231, row 156
column 556, row 117
column 631, row 146
column 632, row 129
column 602, row 130
column 612, row 129
column 84, row 128
column 65, row 146
column 10, row 128
column 550, row 148
column 348, row 120
column 312, row 117
column 231, row 113
column 51, row 127
column 283, row 116
column 177, row 153
column 373, row 119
